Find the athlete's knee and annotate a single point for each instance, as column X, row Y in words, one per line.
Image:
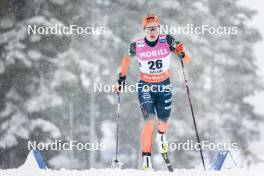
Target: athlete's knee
column 149, row 124
column 163, row 126
column 150, row 119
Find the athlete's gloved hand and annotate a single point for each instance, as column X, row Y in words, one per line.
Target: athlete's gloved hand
column 120, row 83
column 179, row 50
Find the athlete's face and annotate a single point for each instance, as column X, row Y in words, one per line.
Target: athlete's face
column 152, row 32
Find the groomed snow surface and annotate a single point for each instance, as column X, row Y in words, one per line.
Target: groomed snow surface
column 256, row 171
column 31, row 168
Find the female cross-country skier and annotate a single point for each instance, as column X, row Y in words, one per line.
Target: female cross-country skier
column 153, row 54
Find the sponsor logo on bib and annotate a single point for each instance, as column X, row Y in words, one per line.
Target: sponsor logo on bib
column 148, row 54
column 162, row 40
column 140, row 44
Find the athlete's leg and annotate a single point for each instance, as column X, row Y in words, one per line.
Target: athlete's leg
column 148, row 111
column 147, row 135
column 163, row 108
column 163, row 126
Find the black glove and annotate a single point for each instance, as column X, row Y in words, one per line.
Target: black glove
column 121, row 82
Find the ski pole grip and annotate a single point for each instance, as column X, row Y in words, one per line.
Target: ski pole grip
column 182, row 54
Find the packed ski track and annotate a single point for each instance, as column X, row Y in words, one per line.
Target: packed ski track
column 254, row 171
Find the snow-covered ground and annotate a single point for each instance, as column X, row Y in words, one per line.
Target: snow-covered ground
column 31, row 167
column 255, row 171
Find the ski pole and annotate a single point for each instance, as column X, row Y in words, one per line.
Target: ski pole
column 117, row 127
column 181, row 55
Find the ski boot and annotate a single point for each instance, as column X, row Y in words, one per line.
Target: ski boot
column 164, row 149
column 163, row 143
column 146, row 162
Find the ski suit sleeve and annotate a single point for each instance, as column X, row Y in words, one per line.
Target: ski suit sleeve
column 172, row 43
column 127, row 59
